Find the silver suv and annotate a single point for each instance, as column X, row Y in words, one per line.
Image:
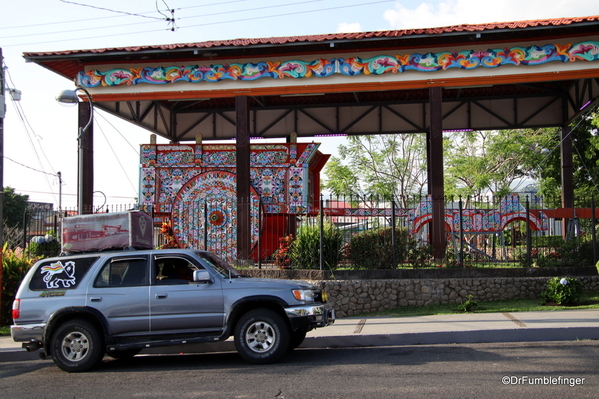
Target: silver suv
column 78, row 308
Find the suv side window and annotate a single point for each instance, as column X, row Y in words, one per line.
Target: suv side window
column 174, row 270
column 60, row 273
column 123, row 272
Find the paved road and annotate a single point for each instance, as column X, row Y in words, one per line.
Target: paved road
column 497, row 370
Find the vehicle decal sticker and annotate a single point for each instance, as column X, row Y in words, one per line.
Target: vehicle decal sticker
column 57, row 274
column 47, row 294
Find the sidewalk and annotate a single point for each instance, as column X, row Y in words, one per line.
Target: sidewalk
column 564, row 325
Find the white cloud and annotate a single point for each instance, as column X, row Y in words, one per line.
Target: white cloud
column 455, row 12
column 345, row 27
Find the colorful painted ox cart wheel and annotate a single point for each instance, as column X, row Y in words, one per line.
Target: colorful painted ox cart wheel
column 205, row 214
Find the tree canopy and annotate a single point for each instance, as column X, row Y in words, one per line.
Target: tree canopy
column 475, row 163
column 585, row 161
column 14, row 207
column 385, row 166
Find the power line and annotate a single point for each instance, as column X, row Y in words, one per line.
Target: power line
column 73, row 195
column 116, row 157
column 111, row 10
column 29, row 167
column 88, row 28
column 108, row 17
column 293, row 13
column 245, row 19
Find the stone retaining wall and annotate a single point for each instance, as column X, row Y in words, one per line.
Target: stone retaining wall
column 352, row 297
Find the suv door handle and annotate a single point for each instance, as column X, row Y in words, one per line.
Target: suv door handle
column 161, row 296
column 95, row 299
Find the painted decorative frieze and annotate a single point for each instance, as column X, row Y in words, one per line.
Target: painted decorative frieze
column 353, row 66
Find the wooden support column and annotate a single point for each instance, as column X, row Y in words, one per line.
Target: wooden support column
column 85, row 161
column 567, row 175
column 435, row 172
column 242, row 111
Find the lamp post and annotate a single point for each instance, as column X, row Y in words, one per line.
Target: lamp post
column 84, row 144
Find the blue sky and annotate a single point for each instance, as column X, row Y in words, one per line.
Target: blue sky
column 40, row 135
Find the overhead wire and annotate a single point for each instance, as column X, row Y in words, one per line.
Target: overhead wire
column 29, row 167
column 27, row 125
column 115, row 11
column 13, row 27
column 30, row 132
column 228, row 12
column 89, row 28
column 113, row 151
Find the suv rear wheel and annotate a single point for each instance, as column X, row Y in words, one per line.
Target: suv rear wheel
column 77, row 346
column 261, row 336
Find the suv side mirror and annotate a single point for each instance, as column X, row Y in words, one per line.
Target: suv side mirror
column 201, row 276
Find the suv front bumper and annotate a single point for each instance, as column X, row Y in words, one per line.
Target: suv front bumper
column 311, row 316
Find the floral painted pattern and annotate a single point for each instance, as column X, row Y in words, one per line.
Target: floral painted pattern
column 353, row 66
column 204, row 214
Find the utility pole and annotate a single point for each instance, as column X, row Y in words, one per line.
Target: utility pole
column 2, row 113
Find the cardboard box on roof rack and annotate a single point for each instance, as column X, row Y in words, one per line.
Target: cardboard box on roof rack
column 98, row 232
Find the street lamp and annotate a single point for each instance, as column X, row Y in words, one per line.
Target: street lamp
column 70, row 97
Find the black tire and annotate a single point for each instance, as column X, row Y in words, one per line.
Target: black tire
column 296, row 339
column 261, row 336
column 77, row 346
column 124, row 354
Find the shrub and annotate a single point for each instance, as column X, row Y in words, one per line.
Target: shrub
column 469, row 305
column 282, row 258
column 418, row 254
column 44, row 246
column 15, row 264
column 372, row 249
column 562, row 291
column 575, row 251
column 547, row 241
column 305, row 250
column 552, row 259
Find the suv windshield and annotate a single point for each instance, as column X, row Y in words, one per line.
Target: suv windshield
column 222, row 267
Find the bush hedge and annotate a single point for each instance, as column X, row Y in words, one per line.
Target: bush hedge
column 373, row 249
column 15, row 264
column 304, row 252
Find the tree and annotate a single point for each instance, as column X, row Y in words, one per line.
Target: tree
column 387, row 166
column 14, row 206
column 585, row 161
column 490, row 162
column 476, row 163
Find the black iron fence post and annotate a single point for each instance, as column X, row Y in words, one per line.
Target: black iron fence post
column 461, row 235
column 528, row 235
column 205, row 226
column 393, row 238
column 594, row 231
column 321, row 221
column 25, row 229
column 259, row 234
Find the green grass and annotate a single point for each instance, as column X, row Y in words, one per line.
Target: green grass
column 4, row 330
column 589, row 300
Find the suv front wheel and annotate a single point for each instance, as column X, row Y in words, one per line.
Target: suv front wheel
column 261, row 336
column 77, row 346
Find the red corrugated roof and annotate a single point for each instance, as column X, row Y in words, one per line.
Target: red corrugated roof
column 337, row 36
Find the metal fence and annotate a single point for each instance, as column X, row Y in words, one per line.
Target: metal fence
column 517, row 231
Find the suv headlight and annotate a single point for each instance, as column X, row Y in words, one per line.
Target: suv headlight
column 303, row 295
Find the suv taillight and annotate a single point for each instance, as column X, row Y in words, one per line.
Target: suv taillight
column 16, row 309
